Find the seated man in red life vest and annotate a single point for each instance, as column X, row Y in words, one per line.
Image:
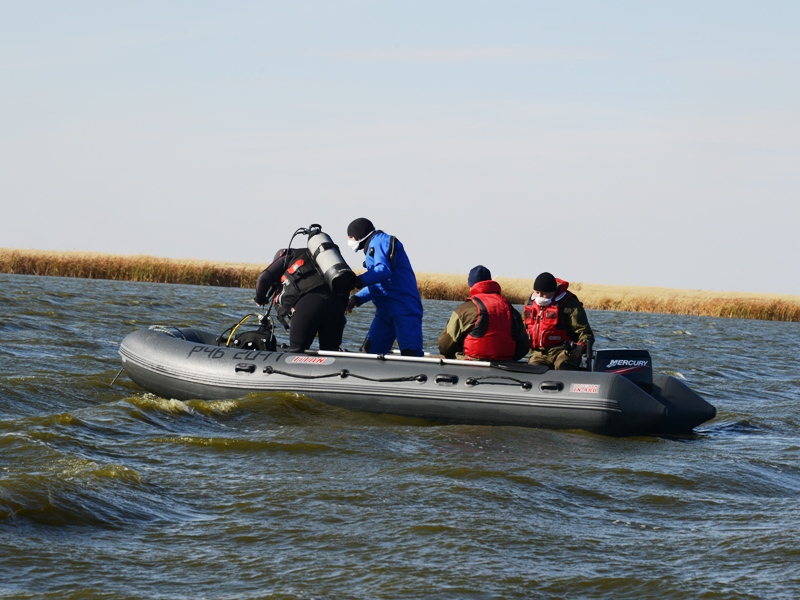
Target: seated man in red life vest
column 557, row 324
column 486, row 326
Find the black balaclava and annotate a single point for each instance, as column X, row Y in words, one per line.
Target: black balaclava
column 359, row 230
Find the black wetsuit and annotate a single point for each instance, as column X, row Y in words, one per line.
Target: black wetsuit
column 305, row 300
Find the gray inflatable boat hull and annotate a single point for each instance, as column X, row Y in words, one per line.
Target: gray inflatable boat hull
column 188, row 364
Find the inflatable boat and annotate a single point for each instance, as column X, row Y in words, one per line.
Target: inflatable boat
column 621, row 396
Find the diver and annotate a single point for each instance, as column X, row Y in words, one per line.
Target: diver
column 303, row 292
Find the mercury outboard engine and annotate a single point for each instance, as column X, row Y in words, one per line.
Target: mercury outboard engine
column 338, row 275
column 633, row 364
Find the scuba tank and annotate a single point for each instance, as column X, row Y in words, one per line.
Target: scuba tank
column 328, row 260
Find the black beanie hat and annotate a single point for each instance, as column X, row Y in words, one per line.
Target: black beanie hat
column 479, row 273
column 545, row 282
column 360, row 228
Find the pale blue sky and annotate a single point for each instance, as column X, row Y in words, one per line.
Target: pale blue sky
column 627, row 142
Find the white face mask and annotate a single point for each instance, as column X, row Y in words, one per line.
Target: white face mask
column 354, row 244
column 542, row 301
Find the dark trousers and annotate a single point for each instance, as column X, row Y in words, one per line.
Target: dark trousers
column 317, row 314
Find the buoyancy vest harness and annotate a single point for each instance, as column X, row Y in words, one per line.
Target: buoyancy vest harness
column 544, row 323
column 491, row 337
column 299, row 278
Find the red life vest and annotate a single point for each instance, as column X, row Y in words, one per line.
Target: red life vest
column 490, row 337
column 543, row 323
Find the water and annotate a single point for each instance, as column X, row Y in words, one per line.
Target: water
column 109, row 492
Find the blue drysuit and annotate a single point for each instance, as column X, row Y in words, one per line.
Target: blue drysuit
column 390, row 283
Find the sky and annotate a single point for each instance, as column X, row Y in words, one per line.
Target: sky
column 611, row 142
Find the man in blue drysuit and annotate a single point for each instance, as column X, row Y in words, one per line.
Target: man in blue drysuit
column 390, row 283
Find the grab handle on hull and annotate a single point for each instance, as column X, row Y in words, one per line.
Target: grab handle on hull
column 444, row 379
column 245, row 368
column 551, row 386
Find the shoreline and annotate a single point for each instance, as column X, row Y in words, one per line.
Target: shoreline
column 432, row 286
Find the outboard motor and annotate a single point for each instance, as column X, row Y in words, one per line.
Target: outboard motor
column 633, row 364
column 338, row 275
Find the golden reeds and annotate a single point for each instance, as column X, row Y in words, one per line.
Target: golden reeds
column 770, row 307
column 127, row 268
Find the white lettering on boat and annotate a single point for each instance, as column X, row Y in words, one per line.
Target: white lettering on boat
column 627, row 363
column 586, row 388
column 313, row 360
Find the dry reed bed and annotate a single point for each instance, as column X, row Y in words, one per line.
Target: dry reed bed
column 770, row 307
column 127, row 268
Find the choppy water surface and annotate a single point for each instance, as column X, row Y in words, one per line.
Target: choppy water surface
column 106, row 491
